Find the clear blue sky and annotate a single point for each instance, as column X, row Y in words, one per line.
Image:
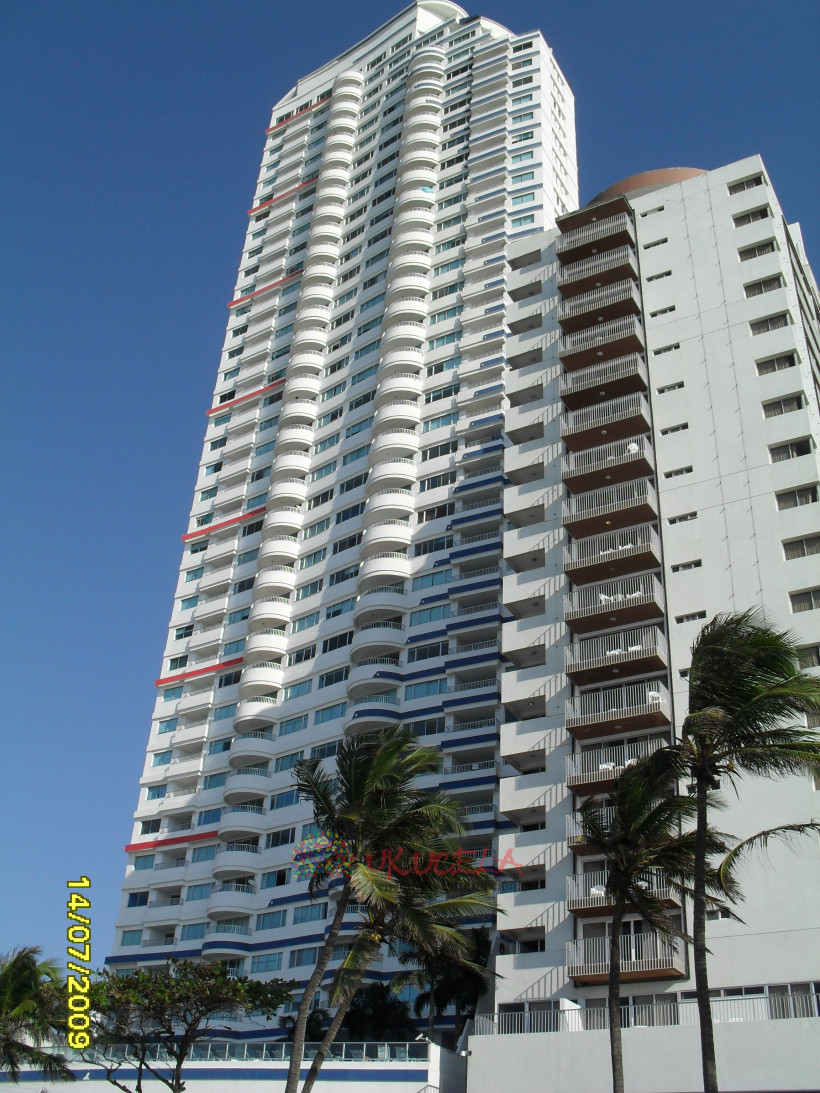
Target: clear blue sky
column 131, row 135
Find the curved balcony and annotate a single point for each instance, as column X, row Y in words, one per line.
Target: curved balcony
column 311, row 315
column 348, row 83
column 281, row 550
column 406, row 309
column 316, row 294
column 324, row 253
column 413, row 260
column 288, row 465
column 310, row 337
column 384, row 602
column 298, row 412
column 626, row 652
column 236, row 859
column 610, row 508
column 415, row 195
column 420, row 101
column 288, row 491
column 372, row 673
column 388, row 505
column 276, row 580
column 231, row 898
column 255, row 747
column 370, row 713
column 387, row 535
column 282, row 520
column 393, row 444
column 391, row 474
column 384, row 568
column 342, row 140
column 265, row 645
column 299, row 437
column 240, row 821
column 397, row 414
column 608, row 464
column 410, row 284
column 301, row 385
column 613, row 554
column 605, row 422
column 343, row 107
column 417, row 177
column 415, row 218
column 317, row 270
column 244, row 783
column 260, row 678
column 612, row 603
column 421, row 152
column 402, row 360
column 403, row 333
column 428, row 63
column 411, row 241
column 424, row 124
column 618, row 710
column 378, row 639
column 272, row 612
column 330, row 191
column 327, row 224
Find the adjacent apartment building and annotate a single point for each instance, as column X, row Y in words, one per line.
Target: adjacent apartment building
column 481, row 462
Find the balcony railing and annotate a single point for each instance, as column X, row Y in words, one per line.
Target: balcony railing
column 640, row 953
column 607, row 597
column 599, row 230
column 599, row 334
column 605, row 764
column 609, row 499
column 604, row 457
column 599, row 375
column 618, row 703
column 598, row 298
column 604, row 414
column 267, row 1051
column 615, row 648
column 588, row 891
column 611, row 546
column 587, row 267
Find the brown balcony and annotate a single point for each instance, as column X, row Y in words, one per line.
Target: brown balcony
column 587, row 894
column 614, row 603
column 613, row 554
column 599, row 305
column 587, row 386
column 643, row 956
column 596, row 272
column 615, row 710
column 592, row 213
column 610, row 508
column 596, row 770
column 614, row 419
column 619, row 461
column 595, row 237
column 624, row 652
column 601, row 342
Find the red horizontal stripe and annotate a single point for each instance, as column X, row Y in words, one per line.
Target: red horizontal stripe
column 198, row 672
column 280, row 197
column 225, row 524
column 293, row 117
column 171, row 842
column 267, row 288
column 244, row 398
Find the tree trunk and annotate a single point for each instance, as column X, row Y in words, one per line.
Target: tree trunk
column 313, row 985
column 707, row 1037
column 614, row 998
column 324, row 1047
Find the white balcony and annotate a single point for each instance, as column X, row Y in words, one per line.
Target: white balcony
column 644, row 956
column 587, row 892
column 630, row 652
column 597, row 769
column 618, row 710
column 612, row 553
column 630, row 599
column 609, row 508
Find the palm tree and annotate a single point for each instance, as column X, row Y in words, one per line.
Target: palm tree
column 744, row 689
column 390, row 840
column 28, row 1015
column 376, row 1013
column 648, row 858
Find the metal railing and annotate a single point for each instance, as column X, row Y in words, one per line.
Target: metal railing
column 615, row 648
column 588, row 234
column 646, row 952
column 611, row 545
column 610, row 499
column 599, row 334
column 598, row 375
column 587, row 267
column 603, row 764
column 269, row 1050
column 605, row 413
column 604, row 456
column 595, row 599
column 599, row 297
column 617, row 703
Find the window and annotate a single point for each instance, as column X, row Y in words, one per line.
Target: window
column 772, row 322
column 271, row 920
column 430, row 546
column 193, row 931
column 177, row 662
column 316, row 529
column 213, row 781
column 426, row 688
column 809, row 657
column 524, row 199
column 693, row 616
column 169, row 725
column 251, row 529
column 300, row 958
column 300, row 656
column 658, row 276
column 325, row 751
column 209, row 816
column 288, row 762
column 675, row 428
column 296, row 690
column 767, row 284
column 228, row 679
column 198, row 891
column 348, row 543
column 436, row 512
column 329, row 713
column 338, row 675
column 346, row 574
column 313, row 558
column 309, row 912
column 681, row 567
column 792, row 450
column 293, row 724
column 340, row 608
column 349, row 513
column 352, row 484
column 305, row 621
column 520, row 221
column 683, row 518
column 320, row 499
column 522, row 157
column 171, row 694
column 801, row 548
column 270, row 962
column 145, row 861
column 138, row 899
column 430, row 614
column 742, row 219
column 156, row 793
column 427, row 652
column 150, row 827
column 354, row 455
column 430, row 580
column 670, row 387
column 678, row 471
column 284, row 837
column 217, row 747
column 161, row 759
column 805, row 601
column 439, row 422
column 311, row 589
column 338, row 641
column 782, row 406
column 666, row 349
column 756, row 250
column 746, row 184
column 792, row 499
column 284, row 800
column 661, row 311
column 656, row 243
column 132, row 937
column 776, row 364
column 446, row 478
column 277, row 879
column 243, row 586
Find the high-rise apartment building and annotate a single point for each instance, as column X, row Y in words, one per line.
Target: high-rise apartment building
column 483, row 463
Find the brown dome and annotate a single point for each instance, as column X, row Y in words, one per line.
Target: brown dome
column 647, row 180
